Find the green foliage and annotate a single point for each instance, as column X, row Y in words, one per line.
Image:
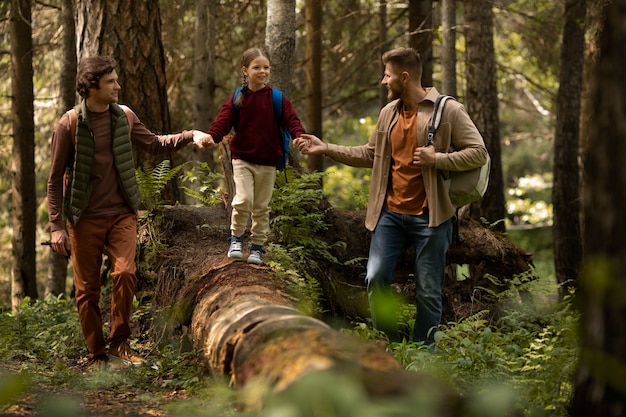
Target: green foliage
column 206, row 184
column 529, row 355
column 297, row 216
column 41, row 331
column 365, row 332
column 526, row 156
column 44, row 337
column 524, row 361
column 347, row 187
column 342, row 394
column 529, row 203
column 538, row 241
column 297, row 225
column 11, row 386
column 152, row 182
column 292, row 266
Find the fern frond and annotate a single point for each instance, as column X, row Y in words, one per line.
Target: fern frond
column 152, row 181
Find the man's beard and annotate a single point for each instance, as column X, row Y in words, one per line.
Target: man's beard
column 393, row 95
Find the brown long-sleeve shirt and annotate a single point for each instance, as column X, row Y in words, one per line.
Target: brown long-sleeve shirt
column 106, row 197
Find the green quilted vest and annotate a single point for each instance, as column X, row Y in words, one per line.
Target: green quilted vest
column 80, row 172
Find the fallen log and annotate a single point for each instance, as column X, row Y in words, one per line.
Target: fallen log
column 244, row 319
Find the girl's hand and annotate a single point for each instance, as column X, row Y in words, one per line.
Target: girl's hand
column 203, row 140
column 311, row 145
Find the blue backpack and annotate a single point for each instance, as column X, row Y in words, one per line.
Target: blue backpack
column 285, row 139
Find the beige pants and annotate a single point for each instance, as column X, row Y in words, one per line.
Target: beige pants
column 254, row 185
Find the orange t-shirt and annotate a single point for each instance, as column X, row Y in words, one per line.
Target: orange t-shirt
column 405, row 191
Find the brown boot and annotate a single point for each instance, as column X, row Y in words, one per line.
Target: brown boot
column 124, row 353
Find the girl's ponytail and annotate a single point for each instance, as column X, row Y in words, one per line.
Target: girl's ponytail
column 239, row 98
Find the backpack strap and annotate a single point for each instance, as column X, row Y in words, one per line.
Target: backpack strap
column 435, row 121
column 236, row 94
column 73, row 116
column 277, row 100
column 129, row 116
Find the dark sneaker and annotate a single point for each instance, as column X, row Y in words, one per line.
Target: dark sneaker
column 256, row 255
column 235, row 251
column 125, row 354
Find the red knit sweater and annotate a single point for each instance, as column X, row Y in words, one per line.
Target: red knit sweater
column 257, row 139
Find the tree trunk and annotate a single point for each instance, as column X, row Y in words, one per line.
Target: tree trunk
column 130, row 31
column 482, row 104
column 57, row 263
column 313, row 26
column 382, row 48
column 448, row 47
column 204, row 72
column 246, row 322
column 421, row 35
column 23, row 192
column 249, row 329
column 599, row 390
column 280, row 42
column 68, row 66
column 565, row 191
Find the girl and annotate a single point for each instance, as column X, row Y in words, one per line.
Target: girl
column 256, row 148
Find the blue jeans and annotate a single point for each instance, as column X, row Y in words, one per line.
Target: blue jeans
column 393, row 235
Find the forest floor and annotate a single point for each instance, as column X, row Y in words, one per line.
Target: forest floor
column 81, row 391
column 97, row 394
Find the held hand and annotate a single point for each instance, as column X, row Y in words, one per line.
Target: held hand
column 424, row 156
column 202, row 140
column 60, row 242
column 310, row 145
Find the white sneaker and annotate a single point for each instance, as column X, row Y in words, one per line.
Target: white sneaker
column 256, row 255
column 235, row 251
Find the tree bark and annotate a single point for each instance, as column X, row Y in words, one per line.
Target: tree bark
column 382, row 48
column 23, row 192
column 204, row 73
column 566, row 188
column 68, row 66
column 600, row 388
column 280, row 42
column 421, row 35
column 130, row 31
column 246, row 322
column 482, row 104
column 313, row 26
column 204, row 65
column 57, row 263
column 448, row 47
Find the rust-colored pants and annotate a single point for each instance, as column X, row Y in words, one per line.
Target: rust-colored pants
column 89, row 238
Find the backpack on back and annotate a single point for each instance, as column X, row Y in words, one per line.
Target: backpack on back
column 464, row 187
column 73, row 116
column 285, row 137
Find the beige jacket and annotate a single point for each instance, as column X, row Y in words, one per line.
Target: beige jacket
column 458, row 145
